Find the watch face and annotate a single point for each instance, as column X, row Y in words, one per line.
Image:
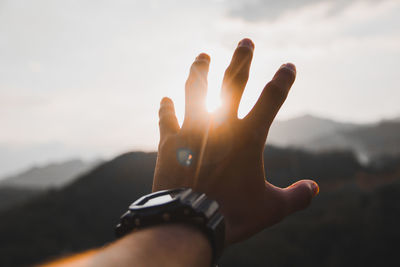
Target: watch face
column 158, row 200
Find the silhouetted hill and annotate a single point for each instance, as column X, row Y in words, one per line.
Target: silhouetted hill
column 302, row 130
column 347, row 225
column 15, row 157
column 77, row 217
column 368, row 141
column 53, row 175
column 21, row 187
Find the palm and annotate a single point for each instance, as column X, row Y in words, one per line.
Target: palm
column 221, row 155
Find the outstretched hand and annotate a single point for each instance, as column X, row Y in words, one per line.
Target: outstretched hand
column 222, row 155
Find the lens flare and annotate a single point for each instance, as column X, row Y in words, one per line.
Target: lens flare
column 184, row 156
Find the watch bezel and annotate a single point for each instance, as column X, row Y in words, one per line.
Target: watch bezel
column 139, row 204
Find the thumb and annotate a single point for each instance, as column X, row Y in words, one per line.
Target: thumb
column 300, row 194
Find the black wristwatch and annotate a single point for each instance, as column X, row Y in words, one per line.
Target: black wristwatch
column 177, row 205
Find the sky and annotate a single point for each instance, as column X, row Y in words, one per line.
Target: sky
column 84, row 78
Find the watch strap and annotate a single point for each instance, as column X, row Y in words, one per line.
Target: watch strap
column 189, row 207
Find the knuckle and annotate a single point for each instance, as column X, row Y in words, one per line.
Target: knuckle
column 276, row 91
column 301, row 205
column 236, row 76
column 198, row 73
column 166, row 117
column 301, row 200
column 189, row 82
column 165, row 110
column 166, row 143
column 256, row 135
column 199, row 68
column 280, row 207
column 241, row 76
column 195, row 82
column 228, row 72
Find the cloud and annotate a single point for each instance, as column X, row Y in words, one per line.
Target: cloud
column 269, row 10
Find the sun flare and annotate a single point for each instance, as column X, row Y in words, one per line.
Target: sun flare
column 213, row 99
column 213, row 103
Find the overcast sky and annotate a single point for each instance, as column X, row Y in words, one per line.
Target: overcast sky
column 84, row 78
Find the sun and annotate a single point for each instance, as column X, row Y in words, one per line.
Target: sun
column 213, row 102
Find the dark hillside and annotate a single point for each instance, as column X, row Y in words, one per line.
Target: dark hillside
column 343, row 226
column 77, row 217
column 13, row 196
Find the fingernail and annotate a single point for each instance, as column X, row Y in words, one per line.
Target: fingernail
column 203, row 56
column 289, row 66
column 315, row 188
column 246, row 42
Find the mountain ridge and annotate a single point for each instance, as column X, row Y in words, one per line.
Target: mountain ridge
column 368, row 141
column 52, row 175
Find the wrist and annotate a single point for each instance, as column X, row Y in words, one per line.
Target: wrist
column 173, row 244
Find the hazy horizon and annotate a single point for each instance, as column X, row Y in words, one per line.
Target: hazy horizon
column 53, row 153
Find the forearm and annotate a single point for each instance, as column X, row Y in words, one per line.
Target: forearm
column 168, row 245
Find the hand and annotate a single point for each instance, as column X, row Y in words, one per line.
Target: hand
column 222, row 155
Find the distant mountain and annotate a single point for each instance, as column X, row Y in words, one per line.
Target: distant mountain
column 17, row 157
column 368, row 141
column 347, row 225
column 21, row 188
column 302, row 130
column 53, row 175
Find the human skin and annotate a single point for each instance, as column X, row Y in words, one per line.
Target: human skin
column 226, row 153
column 217, row 154
column 170, row 245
